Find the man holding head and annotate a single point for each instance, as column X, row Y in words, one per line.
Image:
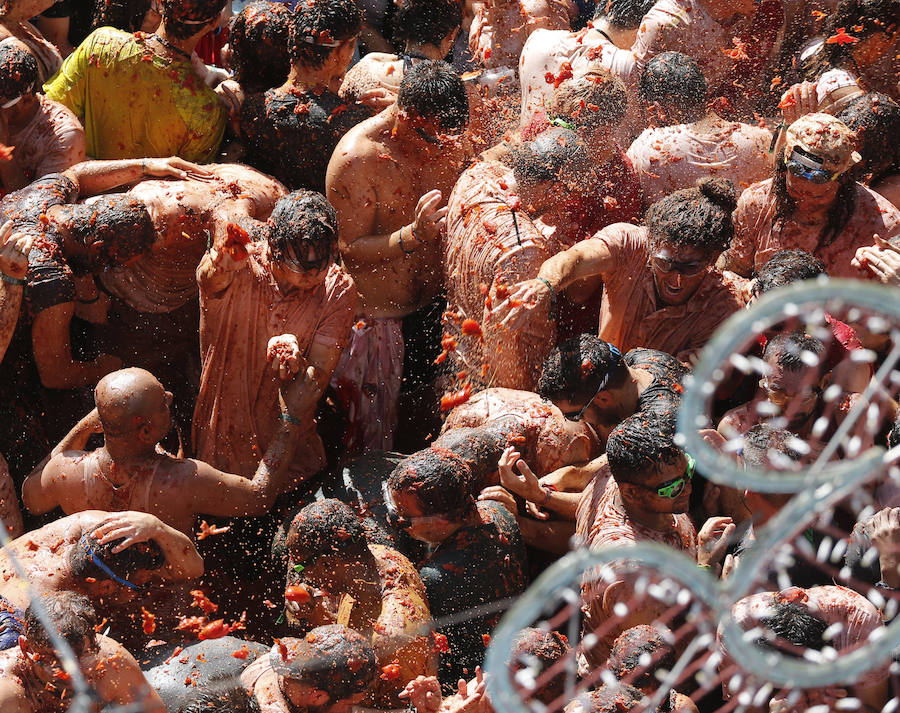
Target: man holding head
column 387, row 179
column 139, row 95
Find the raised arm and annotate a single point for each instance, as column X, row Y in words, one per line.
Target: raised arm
column 39, row 489
column 118, row 679
column 182, row 559
column 95, row 177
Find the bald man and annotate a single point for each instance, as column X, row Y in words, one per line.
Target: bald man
column 131, row 472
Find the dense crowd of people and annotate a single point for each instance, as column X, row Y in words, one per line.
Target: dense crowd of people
column 327, row 326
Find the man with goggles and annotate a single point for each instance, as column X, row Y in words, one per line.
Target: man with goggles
column 273, row 309
column 812, row 203
column 646, row 499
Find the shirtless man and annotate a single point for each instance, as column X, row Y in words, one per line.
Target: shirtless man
column 32, row 676
column 108, row 557
column 327, row 671
column 606, row 43
column 129, row 472
column 387, row 180
column 385, row 593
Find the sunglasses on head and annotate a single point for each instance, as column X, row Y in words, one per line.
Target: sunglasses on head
column 671, row 489
column 578, row 415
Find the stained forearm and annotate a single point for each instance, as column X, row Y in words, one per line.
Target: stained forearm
column 182, row 559
column 370, row 249
column 212, row 279
column 587, row 259
column 95, row 177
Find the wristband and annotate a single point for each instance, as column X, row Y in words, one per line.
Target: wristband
column 548, row 491
column 287, row 418
column 12, row 280
column 412, row 229
column 552, row 315
column 704, row 566
column 405, row 251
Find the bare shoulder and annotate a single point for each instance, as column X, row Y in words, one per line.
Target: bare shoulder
column 245, row 175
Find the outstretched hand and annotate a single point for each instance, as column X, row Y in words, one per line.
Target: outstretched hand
column 881, row 259
column 175, row 167
column 424, row 694
column 525, row 301
column 283, row 353
column 517, row 477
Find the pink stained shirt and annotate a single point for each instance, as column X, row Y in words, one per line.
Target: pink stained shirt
column 670, row 158
column 757, row 236
column 237, row 412
column 492, row 244
column 630, row 314
column 603, row 523
column 50, row 143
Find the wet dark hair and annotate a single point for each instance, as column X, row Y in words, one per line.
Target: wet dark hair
column 427, row 22
column 481, row 447
column 575, row 369
column 185, row 18
column 625, row 658
column 876, row 120
column 127, row 15
column 439, row 479
column 597, row 98
column 549, row 155
column 258, row 36
column 433, row 91
column 119, row 220
column 785, row 268
column 324, row 527
column 871, row 16
column 228, row 698
column 838, row 215
column 18, row 72
column 317, row 25
column 795, row 624
column 331, row 658
column 695, row 217
column 139, row 556
column 763, row 442
column 539, row 650
column 639, row 443
column 673, row 79
column 302, row 220
column 72, row 615
column 788, row 347
column 625, row 14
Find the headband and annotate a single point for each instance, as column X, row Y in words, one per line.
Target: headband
column 83, row 542
column 321, row 43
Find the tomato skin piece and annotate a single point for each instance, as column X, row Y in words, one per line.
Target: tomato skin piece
column 296, row 593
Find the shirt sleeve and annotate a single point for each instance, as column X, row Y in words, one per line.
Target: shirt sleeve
column 340, row 307
column 67, row 146
column 68, row 85
column 49, row 281
column 743, row 246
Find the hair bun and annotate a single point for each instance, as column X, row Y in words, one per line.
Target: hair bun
column 720, row 191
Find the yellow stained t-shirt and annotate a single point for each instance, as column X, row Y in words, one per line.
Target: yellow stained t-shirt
column 134, row 103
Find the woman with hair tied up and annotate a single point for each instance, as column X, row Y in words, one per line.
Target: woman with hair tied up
column 657, row 278
column 812, row 203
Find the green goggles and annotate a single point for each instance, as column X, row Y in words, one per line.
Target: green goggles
column 671, row 489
